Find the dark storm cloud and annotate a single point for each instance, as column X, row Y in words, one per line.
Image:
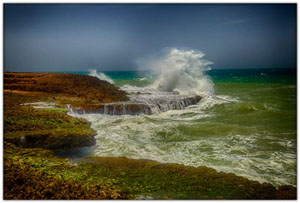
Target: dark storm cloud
column 62, row 37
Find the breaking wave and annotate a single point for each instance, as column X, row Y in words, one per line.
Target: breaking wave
column 100, row 76
column 179, row 70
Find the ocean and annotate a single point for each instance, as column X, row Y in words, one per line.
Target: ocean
column 245, row 122
column 247, row 126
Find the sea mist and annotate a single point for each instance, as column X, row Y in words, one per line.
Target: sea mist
column 179, row 70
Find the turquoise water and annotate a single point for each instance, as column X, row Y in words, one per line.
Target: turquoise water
column 248, row 126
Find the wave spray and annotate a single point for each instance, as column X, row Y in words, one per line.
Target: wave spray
column 181, row 71
column 100, row 76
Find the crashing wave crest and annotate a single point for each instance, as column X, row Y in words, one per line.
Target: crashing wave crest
column 180, row 70
column 100, row 76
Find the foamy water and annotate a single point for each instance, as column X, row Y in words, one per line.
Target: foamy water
column 175, row 137
column 136, row 136
column 236, row 127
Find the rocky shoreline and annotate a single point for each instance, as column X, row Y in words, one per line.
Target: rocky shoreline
column 33, row 171
column 129, row 108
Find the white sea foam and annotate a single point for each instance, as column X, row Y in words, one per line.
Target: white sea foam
column 160, row 136
column 210, row 100
column 142, row 79
column 100, row 76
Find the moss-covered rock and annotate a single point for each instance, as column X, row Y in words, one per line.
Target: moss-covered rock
column 29, row 127
column 52, row 128
column 131, row 178
column 70, row 86
column 23, row 179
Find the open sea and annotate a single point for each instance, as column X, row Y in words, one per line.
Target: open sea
column 247, row 126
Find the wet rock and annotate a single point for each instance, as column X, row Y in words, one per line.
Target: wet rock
column 155, row 105
column 52, row 141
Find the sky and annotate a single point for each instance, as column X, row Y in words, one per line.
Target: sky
column 78, row 37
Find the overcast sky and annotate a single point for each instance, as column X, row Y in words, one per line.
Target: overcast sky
column 70, row 37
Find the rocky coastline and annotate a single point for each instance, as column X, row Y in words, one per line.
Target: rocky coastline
column 33, row 171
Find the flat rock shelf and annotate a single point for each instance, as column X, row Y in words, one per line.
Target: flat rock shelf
column 141, row 103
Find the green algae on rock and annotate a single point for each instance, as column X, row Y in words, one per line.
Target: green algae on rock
column 139, row 178
column 51, row 128
column 25, row 178
column 29, row 127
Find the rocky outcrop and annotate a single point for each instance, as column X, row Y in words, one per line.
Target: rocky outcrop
column 48, row 128
column 48, row 140
column 128, row 108
column 82, row 88
column 35, row 173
